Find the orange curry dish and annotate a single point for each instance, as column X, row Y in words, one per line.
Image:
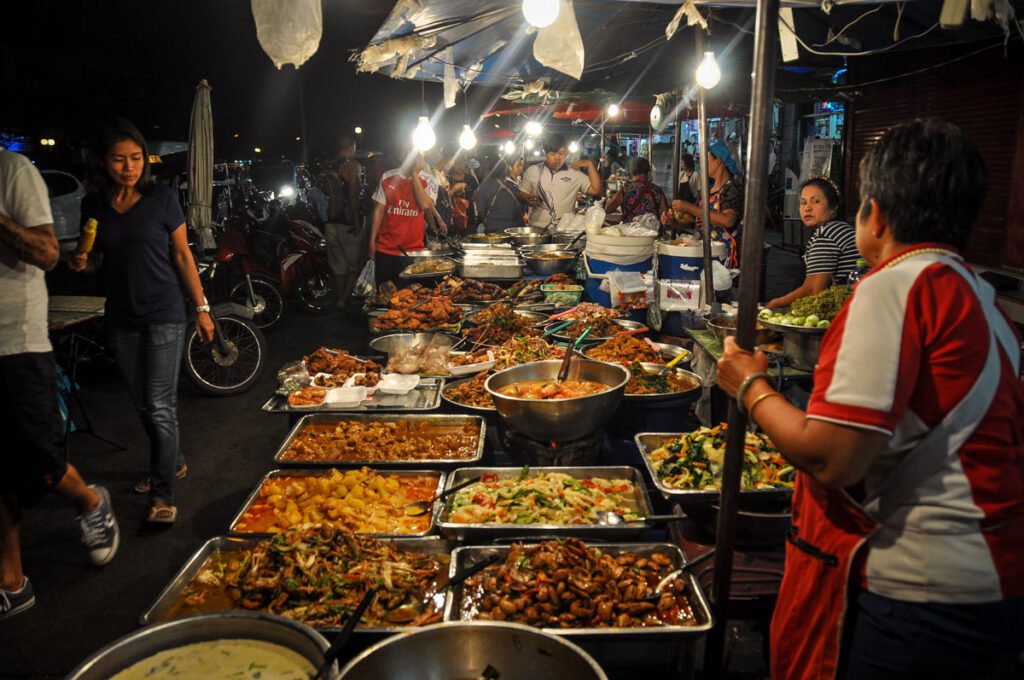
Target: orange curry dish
column 354, row 440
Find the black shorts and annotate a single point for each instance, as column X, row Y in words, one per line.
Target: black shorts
column 32, row 427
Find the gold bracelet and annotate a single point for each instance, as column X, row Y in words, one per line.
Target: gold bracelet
column 753, row 405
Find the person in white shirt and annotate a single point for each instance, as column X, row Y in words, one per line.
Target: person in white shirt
column 551, row 187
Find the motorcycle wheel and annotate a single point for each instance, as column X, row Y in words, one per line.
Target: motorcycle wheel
column 267, row 308
column 224, row 375
column 317, row 293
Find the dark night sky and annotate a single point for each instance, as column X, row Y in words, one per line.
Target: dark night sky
column 74, row 63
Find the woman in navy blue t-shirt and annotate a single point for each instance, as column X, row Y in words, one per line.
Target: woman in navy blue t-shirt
column 143, row 260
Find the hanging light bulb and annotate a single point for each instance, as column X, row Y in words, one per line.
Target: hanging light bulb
column 510, row 147
column 528, row 144
column 708, row 73
column 574, row 147
column 467, row 140
column 540, row 13
column 534, row 129
column 613, row 110
column 423, row 137
column 536, row 152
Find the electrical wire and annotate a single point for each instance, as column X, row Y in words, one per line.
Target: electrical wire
column 843, row 30
column 863, row 53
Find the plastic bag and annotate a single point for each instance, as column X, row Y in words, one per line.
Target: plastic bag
column 593, row 219
column 289, row 32
column 367, row 281
column 560, row 45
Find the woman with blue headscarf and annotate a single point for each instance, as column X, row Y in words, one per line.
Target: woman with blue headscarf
column 725, row 200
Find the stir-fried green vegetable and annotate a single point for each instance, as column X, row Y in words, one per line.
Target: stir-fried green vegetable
column 695, row 461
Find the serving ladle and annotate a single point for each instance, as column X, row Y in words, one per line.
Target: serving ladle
column 612, row 519
column 417, row 508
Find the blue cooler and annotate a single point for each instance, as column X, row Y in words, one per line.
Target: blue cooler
column 684, row 263
column 597, row 271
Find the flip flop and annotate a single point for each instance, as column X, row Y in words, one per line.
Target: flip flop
column 146, row 485
column 163, row 514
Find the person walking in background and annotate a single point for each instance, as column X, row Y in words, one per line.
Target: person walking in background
column 29, row 415
column 344, row 222
column 687, row 189
column 551, row 187
column 497, row 201
column 462, row 187
column 402, row 198
column 143, row 260
column 832, row 251
column 640, row 196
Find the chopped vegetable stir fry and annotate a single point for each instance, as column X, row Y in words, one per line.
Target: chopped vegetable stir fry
column 695, row 461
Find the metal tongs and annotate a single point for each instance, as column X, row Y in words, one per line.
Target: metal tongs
column 563, row 371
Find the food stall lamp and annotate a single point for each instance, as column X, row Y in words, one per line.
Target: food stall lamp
column 613, row 110
column 540, row 13
column 258, row 150
column 467, row 140
column 510, row 147
column 423, row 137
column 534, row 129
column 574, row 147
column 44, row 141
column 359, row 130
column 536, row 152
column 708, row 73
column 528, row 144
column 286, row 191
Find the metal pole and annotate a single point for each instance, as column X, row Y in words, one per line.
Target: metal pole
column 302, row 117
column 677, row 146
column 765, row 37
column 705, row 204
column 650, row 147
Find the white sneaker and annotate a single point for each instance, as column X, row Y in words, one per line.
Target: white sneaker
column 99, row 529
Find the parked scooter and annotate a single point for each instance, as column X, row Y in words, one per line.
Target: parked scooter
column 259, row 285
column 305, row 270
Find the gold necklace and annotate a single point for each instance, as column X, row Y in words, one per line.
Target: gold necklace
column 920, row 251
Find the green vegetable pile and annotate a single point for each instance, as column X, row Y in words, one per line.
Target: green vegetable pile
column 813, row 311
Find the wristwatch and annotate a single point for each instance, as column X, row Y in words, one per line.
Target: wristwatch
column 205, row 307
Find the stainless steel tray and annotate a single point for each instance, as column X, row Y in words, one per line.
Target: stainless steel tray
column 702, row 612
column 318, row 418
column 168, row 597
column 625, row 324
column 492, row 267
column 322, row 472
column 649, row 441
column 653, row 368
column 462, row 532
column 425, row 397
column 530, row 317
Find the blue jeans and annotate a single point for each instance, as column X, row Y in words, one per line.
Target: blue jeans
column 149, row 358
column 885, row 638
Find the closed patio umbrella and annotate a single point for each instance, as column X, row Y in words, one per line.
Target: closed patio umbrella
column 200, row 166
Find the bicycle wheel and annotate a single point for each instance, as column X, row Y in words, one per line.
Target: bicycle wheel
column 224, row 375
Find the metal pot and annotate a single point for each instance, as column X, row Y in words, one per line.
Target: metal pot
column 399, row 343
column 559, row 419
column 546, row 266
column 466, row 649
column 563, row 237
column 487, row 239
column 724, row 326
column 547, row 248
column 528, row 236
column 152, row 640
column 800, row 345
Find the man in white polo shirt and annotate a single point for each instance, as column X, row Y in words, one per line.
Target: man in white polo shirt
column 551, row 186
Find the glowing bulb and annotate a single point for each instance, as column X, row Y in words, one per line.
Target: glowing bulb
column 258, row 150
column 536, row 152
column 510, row 147
column 298, row 139
column 708, row 73
column 528, row 144
column 540, row 13
column 467, row 140
column 286, row 191
column 423, row 137
column 613, row 110
column 574, row 147
column 359, row 130
column 534, row 129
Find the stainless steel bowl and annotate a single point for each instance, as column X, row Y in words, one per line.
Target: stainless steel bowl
column 547, row 248
column 151, row 640
column 398, row 343
column 487, row 239
column 561, row 237
column 800, row 345
column 559, row 419
column 528, row 236
column 466, row 649
column 650, row 368
column 546, row 266
column 414, row 256
column 724, row 326
column 669, row 352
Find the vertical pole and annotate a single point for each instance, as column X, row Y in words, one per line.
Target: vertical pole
column 650, row 147
column 702, row 121
column 302, row 118
column 754, row 209
column 677, row 147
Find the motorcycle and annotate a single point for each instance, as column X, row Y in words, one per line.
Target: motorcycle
column 305, row 270
column 259, row 288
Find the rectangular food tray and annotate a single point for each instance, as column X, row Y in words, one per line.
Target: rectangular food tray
column 649, row 441
column 463, row 532
column 702, row 612
column 451, row 420
column 322, row 472
column 493, row 268
column 424, row 397
column 168, row 597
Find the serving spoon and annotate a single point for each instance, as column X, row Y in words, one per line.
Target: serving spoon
column 417, row 508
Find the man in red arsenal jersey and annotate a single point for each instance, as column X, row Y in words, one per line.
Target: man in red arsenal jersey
column 906, row 554
column 398, row 218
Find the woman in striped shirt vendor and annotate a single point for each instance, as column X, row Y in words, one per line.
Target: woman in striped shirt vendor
column 832, row 251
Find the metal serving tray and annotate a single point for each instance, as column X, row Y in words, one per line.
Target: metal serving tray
column 702, row 613
column 165, row 601
column 323, row 472
column 425, row 397
column 463, row 532
column 492, row 267
column 451, row 420
column 649, row 441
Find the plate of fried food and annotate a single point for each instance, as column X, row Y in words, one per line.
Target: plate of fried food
column 307, row 397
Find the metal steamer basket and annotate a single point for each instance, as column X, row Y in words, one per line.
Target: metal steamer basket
column 477, row 422
column 163, row 606
column 149, row 641
column 323, row 472
column 463, row 532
